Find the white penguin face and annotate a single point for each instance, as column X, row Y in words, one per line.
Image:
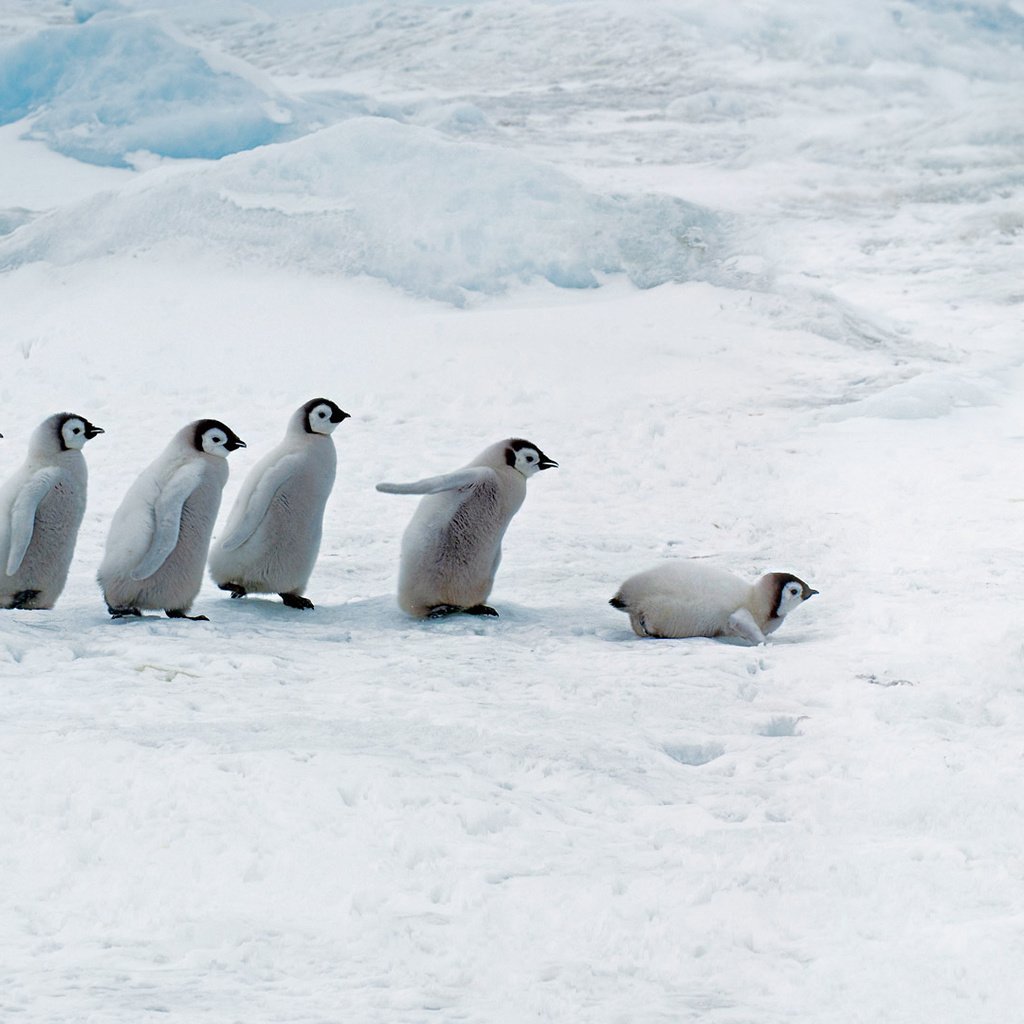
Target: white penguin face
column 214, row 438
column 322, row 416
column 792, row 594
column 75, row 431
column 527, row 458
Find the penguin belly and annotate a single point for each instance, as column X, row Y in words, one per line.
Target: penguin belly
column 280, row 555
column 450, row 555
column 176, row 584
column 682, row 601
column 47, row 561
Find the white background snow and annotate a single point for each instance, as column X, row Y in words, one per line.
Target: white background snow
column 752, row 273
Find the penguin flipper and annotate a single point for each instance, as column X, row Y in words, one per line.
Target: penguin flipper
column 461, row 478
column 167, row 519
column 23, row 514
column 742, row 623
column 259, row 501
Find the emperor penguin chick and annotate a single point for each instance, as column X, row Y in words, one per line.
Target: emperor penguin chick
column 160, row 535
column 452, row 547
column 41, row 509
column 682, row 599
column 274, row 530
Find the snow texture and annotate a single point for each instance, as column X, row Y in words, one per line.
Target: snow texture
column 371, row 196
column 115, row 84
column 345, row 815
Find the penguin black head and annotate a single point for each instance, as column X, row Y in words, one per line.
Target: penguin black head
column 322, row 416
column 526, row 457
column 73, row 431
column 789, row 592
column 214, row 438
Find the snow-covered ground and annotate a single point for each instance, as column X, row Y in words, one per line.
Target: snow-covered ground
column 752, row 273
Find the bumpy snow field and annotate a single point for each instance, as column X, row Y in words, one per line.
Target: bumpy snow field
column 752, row 274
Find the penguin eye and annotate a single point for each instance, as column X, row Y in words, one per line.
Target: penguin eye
column 321, row 414
column 77, row 430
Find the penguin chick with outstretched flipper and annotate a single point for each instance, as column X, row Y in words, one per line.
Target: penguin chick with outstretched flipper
column 685, row 599
column 274, row 530
column 160, row 535
column 452, row 547
column 41, row 509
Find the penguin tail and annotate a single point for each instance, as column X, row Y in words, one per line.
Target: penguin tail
column 617, row 602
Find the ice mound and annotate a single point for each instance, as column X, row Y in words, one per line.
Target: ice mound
column 119, row 83
column 926, row 396
column 371, row 196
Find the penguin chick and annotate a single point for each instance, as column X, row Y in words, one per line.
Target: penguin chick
column 682, row 599
column 41, row 509
column 160, row 534
column 274, row 530
column 452, row 547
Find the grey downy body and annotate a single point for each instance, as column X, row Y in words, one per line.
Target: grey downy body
column 160, row 535
column 41, row 510
column 451, row 549
column 273, row 534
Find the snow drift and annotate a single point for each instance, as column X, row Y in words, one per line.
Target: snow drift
column 371, row 196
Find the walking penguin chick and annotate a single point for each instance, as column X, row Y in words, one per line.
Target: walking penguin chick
column 160, row 535
column 452, row 547
column 682, row 599
column 41, row 509
column 274, row 530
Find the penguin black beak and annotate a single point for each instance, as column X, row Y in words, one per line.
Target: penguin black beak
column 546, row 463
column 234, row 443
column 339, row 416
column 91, row 430
column 811, row 593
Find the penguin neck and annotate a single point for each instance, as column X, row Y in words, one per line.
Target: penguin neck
column 762, row 603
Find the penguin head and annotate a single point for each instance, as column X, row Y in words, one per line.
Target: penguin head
column 526, row 457
column 790, row 591
column 214, row 438
column 73, row 431
column 321, row 416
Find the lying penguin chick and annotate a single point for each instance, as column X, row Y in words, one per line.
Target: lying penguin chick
column 682, row 599
column 41, row 509
column 274, row 530
column 159, row 537
column 452, row 547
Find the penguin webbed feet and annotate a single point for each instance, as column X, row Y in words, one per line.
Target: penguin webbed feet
column 123, row 613
column 22, row 599
column 442, row 611
column 234, row 589
column 177, row 613
column 481, row 609
column 296, row 601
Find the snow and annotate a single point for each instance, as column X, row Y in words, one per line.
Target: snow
column 371, row 196
column 115, row 84
column 346, row 815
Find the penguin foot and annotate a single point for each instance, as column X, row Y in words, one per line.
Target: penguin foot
column 177, row 613
column 481, row 609
column 442, row 611
column 235, row 589
column 296, row 601
column 23, row 598
column 123, row 613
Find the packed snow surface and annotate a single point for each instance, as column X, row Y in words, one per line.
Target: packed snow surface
column 751, row 273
